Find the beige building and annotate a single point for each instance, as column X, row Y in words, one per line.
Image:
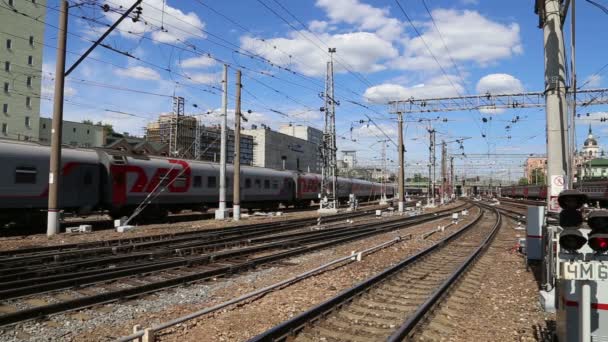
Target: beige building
column 21, row 38
column 281, row 151
column 178, row 132
column 533, row 164
column 75, row 134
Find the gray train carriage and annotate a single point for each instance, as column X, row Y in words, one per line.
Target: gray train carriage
column 24, row 181
column 175, row 184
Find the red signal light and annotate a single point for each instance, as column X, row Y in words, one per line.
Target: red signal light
column 599, row 242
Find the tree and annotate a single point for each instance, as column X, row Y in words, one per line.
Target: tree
column 537, row 176
column 108, row 128
column 87, row 121
column 523, row 181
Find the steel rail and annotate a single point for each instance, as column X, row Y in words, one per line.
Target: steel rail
column 78, row 303
column 423, row 310
column 295, row 324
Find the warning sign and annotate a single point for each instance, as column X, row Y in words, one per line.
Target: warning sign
column 554, row 205
column 557, row 185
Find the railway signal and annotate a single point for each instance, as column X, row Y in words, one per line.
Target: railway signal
column 570, row 219
column 598, row 237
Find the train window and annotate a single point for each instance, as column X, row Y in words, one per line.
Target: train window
column 258, row 184
column 247, row 183
column 266, row 184
column 88, row 178
column 119, row 160
column 275, row 184
column 198, row 181
column 211, row 182
column 25, row 175
column 180, row 182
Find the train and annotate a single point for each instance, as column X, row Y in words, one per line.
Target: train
column 596, row 191
column 117, row 182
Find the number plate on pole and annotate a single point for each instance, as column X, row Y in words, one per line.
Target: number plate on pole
column 581, row 270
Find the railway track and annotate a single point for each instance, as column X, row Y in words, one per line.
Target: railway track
column 43, row 281
column 391, row 304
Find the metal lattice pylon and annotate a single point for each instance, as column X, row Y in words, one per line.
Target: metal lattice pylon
column 329, row 182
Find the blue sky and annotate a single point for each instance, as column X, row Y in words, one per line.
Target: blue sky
column 492, row 46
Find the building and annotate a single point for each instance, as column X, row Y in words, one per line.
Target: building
column 21, row 62
column 281, row 151
column 307, row 133
column 583, row 166
column 135, row 145
column 180, row 134
column 210, row 145
column 75, row 134
column 534, row 163
column 593, row 169
column 176, row 131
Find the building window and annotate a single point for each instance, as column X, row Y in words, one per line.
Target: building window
column 6, row 87
column 9, row 44
column 4, row 128
column 198, row 182
column 27, row 122
column 31, row 40
column 28, row 102
column 28, row 81
column 7, row 66
column 25, row 175
column 30, row 60
column 74, row 129
column 11, row 2
column 211, row 182
column 88, row 131
column 43, row 126
column 5, row 108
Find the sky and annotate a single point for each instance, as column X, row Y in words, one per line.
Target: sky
column 423, row 49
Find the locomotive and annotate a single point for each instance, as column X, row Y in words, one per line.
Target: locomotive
column 117, row 182
column 596, row 191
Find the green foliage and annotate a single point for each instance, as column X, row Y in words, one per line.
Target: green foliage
column 523, row 181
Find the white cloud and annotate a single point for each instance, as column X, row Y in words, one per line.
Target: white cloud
column 499, row 84
column 592, row 81
column 364, row 16
column 372, row 131
column 139, row 72
column 318, row 25
column 198, row 62
column 206, row 78
column 469, row 37
column 434, row 88
column 469, row 2
column 359, row 51
column 177, row 24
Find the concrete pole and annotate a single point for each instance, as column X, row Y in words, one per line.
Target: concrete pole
column 444, row 170
column 452, row 184
column 222, row 213
column 556, row 106
column 585, row 311
column 433, row 165
column 55, row 160
column 236, row 199
column 401, row 164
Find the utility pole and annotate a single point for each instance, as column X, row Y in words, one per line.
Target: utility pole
column 329, row 198
column 221, row 213
column 452, row 184
column 444, row 170
column 549, row 12
column 53, row 212
column 431, row 165
column 236, row 199
column 55, row 160
column 401, row 164
column 383, row 180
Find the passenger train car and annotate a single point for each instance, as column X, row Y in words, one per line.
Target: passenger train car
column 597, row 191
column 117, row 182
